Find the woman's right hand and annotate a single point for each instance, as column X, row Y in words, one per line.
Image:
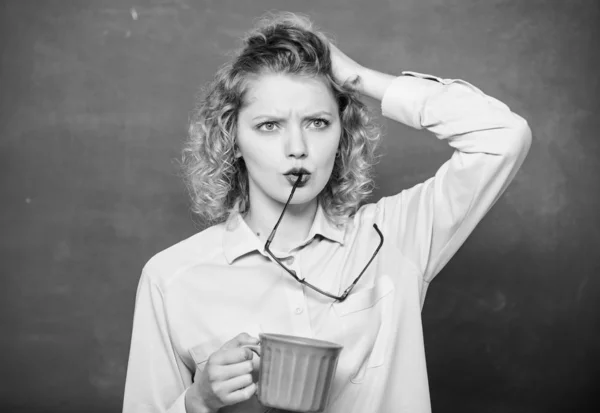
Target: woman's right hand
column 226, row 378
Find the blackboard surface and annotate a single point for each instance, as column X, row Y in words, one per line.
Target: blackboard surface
column 94, row 101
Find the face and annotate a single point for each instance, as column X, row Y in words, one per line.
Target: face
column 287, row 122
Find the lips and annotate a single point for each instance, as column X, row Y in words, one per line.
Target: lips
column 292, row 176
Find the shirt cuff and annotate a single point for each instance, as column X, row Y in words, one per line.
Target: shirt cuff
column 404, row 99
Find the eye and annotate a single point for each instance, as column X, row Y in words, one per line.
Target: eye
column 267, row 126
column 320, row 123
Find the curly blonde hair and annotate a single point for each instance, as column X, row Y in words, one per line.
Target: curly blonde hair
column 281, row 43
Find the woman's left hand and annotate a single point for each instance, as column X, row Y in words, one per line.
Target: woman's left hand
column 344, row 68
column 371, row 82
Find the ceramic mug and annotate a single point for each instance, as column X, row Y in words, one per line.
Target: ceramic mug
column 295, row 372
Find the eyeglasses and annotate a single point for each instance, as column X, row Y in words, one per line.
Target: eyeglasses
column 302, row 280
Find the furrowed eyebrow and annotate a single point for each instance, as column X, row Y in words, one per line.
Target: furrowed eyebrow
column 270, row 118
column 279, row 119
column 320, row 113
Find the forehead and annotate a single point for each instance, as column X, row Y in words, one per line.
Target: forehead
column 281, row 93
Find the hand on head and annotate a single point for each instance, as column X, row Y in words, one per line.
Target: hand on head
column 344, row 68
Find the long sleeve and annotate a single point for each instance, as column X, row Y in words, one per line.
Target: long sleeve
column 154, row 382
column 433, row 219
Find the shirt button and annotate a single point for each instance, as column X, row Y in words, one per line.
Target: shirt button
column 299, row 310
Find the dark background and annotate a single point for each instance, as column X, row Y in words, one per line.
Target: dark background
column 94, row 102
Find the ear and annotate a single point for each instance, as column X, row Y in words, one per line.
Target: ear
column 237, row 153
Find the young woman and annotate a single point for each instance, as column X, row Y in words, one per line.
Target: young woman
column 282, row 134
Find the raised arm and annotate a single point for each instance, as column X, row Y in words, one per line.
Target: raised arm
column 431, row 220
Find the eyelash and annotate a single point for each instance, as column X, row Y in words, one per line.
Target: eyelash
column 325, row 122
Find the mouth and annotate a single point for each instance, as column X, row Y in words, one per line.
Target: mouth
column 293, row 174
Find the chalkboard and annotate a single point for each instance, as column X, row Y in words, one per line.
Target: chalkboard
column 94, row 103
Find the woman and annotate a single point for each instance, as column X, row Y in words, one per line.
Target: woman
column 282, row 133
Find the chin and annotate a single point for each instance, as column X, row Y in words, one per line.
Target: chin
column 305, row 195
column 301, row 200
column 302, row 195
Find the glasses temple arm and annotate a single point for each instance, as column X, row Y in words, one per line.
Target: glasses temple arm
column 347, row 291
column 272, row 234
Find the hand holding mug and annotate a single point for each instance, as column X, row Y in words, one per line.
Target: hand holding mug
column 227, row 377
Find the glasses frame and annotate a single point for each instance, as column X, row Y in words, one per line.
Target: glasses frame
column 302, row 281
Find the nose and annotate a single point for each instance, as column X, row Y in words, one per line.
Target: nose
column 295, row 144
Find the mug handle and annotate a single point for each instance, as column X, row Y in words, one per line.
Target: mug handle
column 254, row 348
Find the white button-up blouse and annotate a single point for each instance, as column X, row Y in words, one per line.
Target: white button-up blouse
column 203, row 291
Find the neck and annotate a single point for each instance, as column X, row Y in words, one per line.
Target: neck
column 292, row 230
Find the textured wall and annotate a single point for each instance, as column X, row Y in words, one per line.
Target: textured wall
column 94, row 100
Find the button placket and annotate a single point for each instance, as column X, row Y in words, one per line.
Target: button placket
column 300, row 318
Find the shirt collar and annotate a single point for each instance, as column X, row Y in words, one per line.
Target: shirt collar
column 239, row 239
column 324, row 227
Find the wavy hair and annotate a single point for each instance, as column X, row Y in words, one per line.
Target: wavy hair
column 280, row 43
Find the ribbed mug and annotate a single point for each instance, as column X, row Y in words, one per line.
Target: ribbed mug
column 296, row 372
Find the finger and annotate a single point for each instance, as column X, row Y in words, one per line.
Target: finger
column 241, row 394
column 231, row 356
column 240, row 340
column 235, row 383
column 226, row 372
